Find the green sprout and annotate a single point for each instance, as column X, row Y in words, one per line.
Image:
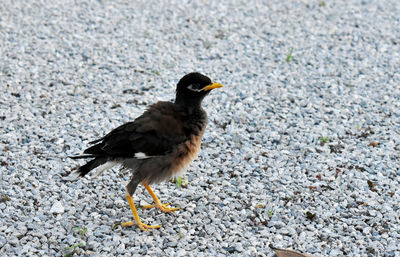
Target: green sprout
column 81, row 231
column 155, row 72
column 324, row 140
column 180, row 182
column 289, row 56
column 4, row 198
column 73, row 248
column 270, row 213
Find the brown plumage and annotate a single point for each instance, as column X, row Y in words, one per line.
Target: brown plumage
column 157, row 145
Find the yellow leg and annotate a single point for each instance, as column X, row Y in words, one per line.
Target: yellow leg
column 136, row 217
column 159, row 205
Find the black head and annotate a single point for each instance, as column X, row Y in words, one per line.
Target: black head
column 193, row 87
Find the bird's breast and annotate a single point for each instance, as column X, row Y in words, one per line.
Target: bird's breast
column 187, row 152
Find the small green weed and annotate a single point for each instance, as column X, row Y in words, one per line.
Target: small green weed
column 156, row 72
column 180, row 182
column 81, row 231
column 324, row 140
column 289, row 56
column 4, row 198
column 71, row 250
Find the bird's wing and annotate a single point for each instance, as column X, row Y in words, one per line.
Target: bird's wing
column 154, row 133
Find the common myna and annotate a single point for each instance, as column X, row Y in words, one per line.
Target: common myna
column 157, row 145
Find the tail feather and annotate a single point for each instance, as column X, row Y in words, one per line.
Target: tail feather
column 85, row 169
column 96, row 141
column 81, row 156
column 95, row 150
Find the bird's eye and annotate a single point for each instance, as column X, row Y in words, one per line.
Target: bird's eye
column 194, row 87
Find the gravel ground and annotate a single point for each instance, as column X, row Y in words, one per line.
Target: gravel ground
column 302, row 149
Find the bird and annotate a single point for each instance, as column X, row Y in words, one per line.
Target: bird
column 158, row 145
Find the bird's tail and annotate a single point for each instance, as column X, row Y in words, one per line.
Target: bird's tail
column 81, row 156
column 85, row 169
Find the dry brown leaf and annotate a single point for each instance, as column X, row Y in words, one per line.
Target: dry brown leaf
column 310, row 216
column 370, row 183
column 374, row 144
column 290, row 253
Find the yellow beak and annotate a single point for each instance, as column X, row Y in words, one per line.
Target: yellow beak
column 211, row 86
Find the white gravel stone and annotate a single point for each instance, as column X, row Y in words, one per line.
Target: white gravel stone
column 57, row 207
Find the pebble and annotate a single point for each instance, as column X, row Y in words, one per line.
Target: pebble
column 57, row 207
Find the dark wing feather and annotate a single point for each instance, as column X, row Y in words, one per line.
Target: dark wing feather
column 155, row 132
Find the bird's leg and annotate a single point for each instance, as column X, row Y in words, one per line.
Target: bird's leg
column 136, row 216
column 157, row 204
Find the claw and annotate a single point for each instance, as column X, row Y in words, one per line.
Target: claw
column 152, row 206
column 136, row 220
column 141, row 225
column 162, row 207
column 158, row 204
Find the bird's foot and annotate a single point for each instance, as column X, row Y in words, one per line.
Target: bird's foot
column 162, row 207
column 140, row 224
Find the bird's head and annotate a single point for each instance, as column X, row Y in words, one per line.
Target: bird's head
column 193, row 87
